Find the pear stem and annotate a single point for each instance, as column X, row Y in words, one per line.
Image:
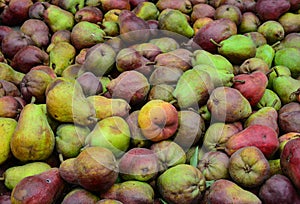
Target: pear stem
column 2, row 178
column 33, row 99
column 61, row 158
column 276, row 71
column 220, row 148
column 295, row 93
column 173, row 101
column 275, row 44
column 107, row 37
column 151, row 63
column 215, row 43
column 94, row 119
column 274, row 102
column 269, row 72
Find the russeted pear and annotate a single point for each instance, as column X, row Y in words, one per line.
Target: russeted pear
column 61, row 56
column 252, row 65
column 107, row 107
column 33, row 138
column 289, row 57
column 175, row 21
column 237, row 48
column 284, row 87
column 70, row 139
column 66, row 102
column 215, row 60
column 272, row 30
column 290, row 22
column 57, row 18
column 7, row 128
column 183, row 6
column 9, row 74
column 219, row 77
column 249, row 23
column 193, row 89
column 165, row 75
column 99, row 59
column 112, row 133
column 227, row 104
column 15, row 174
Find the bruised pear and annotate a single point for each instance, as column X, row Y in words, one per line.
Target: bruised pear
column 46, row 187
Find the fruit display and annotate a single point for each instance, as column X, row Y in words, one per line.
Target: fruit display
column 149, row 101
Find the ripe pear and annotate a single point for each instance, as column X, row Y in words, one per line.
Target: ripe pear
column 269, row 99
column 71, row 6
column 183, row 6
column 290, row 22
column 289, row 57
column 272, row 30
column 32, row 142
column 165, row 44
column 112, row 133
column 80, row 195
column 9, row 74
column 7, row 129
column 249, row 23
column 284, row 87
column 265, row 52
column 15, row 174
column 66, row 102
column 146, row 10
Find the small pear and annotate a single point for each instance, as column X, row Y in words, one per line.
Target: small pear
column 272, row 30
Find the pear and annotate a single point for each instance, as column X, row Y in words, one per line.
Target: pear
column 80, row 195
column 202, row 10
column 215, row 60
column 166, row 44
column 132, row 28
column 69, row 139
column 165, row 75
column 290, row 22
column 129, row 59
column 290, row 40
column 237, row 48
column 71, row 6
column 193, row 88
column 276, row 71
column 86, row 34
column 9, row 74
column 112, row 15
column 229, row 11
column 57, row 18
column 183, row 6
column 162, row 92
column 252, row 65
column 66, row 102
column 15, row 174
column 284, row 87
column 59, row 36
column 146, row 10
column 175, row 21
column 269, row 99
column 147, row 50
column 249, row 23
column 289, row 57
column 8, row 89
column 46, row 187
column 107, row 107
column 112, row 133
column 10, row 107
column 258, row 38
column 7, row 129
column 89, row 13
column 90, row 84
column 32, row 142
column 226, row 191
column 61, row 56
column 99, row 59
column 219, row 77
column 272, row 30
column 271, row 10
column 227, row 104
column 110, row 28
column 265, row 52
column 107, row 5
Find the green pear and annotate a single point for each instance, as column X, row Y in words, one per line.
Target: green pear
column 15, row 174
column 249, row 22
column 7, row 128
column 70, row 139
column 61, row 56
column 237, row 48
column 265, row 52
column 71, row 5
column 9, row 74
column 193, row 88
column 269, row 99
column 165, row 44
column 276, row 71
column 67, row 103
column 284, row 87
column 33, row 138
column 289, row 57
column 146, row 10
column 175, row 21
column 215, row 60
column 86, row 34
column 110, row 28
column 219, row 77
column 112, row 133
column 272, row 30
column 57, row 18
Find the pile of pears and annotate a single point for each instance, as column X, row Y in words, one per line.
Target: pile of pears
column 149, row 101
